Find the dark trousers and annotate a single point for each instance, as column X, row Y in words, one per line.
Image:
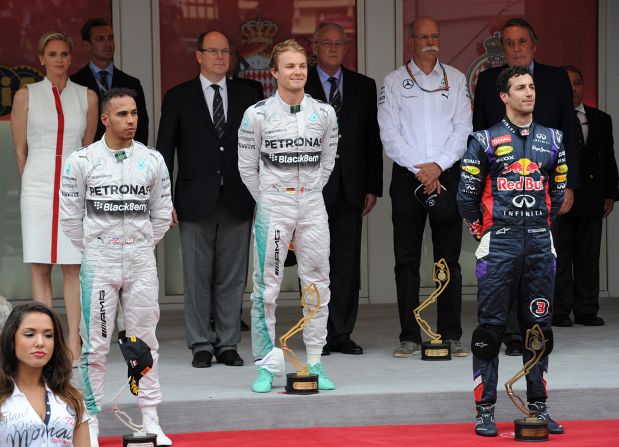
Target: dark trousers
column 577, row 286
column 511, row 267
column 409, row 220
column 344, row 262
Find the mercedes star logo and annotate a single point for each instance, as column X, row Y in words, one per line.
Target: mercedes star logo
column 408, row 83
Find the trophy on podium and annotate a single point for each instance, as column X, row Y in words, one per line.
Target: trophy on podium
column 139, row 360
column 531, row 428
column 435, row 349
column 301, row 382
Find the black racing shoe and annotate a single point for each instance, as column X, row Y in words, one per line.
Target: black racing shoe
column 541, row 409
column 485, row 425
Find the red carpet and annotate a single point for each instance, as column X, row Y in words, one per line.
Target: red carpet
column 577, row 433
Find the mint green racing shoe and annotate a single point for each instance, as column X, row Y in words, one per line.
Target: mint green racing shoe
column 263, row 382
column 323, row 381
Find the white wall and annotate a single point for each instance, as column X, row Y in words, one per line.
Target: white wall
column 608, row 100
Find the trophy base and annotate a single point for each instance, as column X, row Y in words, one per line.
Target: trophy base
column 140, row 440
column 530, row 430
column 435, row 351
column 301, row 384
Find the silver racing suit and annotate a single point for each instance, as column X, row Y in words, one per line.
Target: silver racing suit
column 286, row 155
column 115, row 206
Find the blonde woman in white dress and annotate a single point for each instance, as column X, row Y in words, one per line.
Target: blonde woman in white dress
column 49, row 120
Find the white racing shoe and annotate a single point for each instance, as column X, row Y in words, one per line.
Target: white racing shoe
column 93, row 429
column 151, row 425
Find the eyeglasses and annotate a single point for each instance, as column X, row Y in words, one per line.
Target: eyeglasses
column 216, row 51
column 338, row 44
column 444, row 85
column 425, row 37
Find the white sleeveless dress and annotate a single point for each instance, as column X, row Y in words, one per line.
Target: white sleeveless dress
column 56, row 125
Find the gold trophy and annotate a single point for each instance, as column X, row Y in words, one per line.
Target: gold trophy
column 301, row 382
column 531, row 428
column 435, row 349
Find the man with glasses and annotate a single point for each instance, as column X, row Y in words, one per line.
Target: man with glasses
column 200, row 119
column 356, row 180
column 100, row 74
column 424, row 113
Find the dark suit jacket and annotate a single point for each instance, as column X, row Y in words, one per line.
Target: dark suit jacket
column 359, row 168
column 598, row 167
column 253, row 84
column 119, row 79
column 553, row 108
column 186, row 128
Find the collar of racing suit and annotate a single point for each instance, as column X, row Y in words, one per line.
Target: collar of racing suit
column 128, row 150
column 287, row 107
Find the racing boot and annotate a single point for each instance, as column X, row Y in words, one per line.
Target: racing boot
column 150, row 420
column 323, row 381
column 264, row 381
column 542, row 412
column 93, row 429
column 485, row 425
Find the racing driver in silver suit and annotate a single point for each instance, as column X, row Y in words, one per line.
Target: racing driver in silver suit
column 287, row 147
column 115, row 206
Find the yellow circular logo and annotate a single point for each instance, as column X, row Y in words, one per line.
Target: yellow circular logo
column 561, row 169
column 471, row 169
column 503, row 150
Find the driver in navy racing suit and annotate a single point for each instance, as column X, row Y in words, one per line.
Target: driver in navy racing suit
column 511, row 188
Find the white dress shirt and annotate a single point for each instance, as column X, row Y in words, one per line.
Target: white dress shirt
column 209, row 94
column 326, row 84
column 421, row 127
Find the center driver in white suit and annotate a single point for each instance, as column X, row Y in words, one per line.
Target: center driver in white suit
column 287, row 147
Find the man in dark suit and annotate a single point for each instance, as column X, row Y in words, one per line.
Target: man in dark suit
column 579, row 235
column 199, row 121
column 356, row 180
column 100, row 74
column 553, row 108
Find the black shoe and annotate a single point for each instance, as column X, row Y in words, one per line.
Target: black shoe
column 326, row 350
column 230, row 358
column 485, row 425
column 513, row 348
column 541, row 409
column 589, row 320
column 244, row 326
column 346, row 346
column 562, row 322
column 202, row 359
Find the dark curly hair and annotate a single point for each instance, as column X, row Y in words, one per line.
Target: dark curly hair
column 56, row 373
column 502, row 83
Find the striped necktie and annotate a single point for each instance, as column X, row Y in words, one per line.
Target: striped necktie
column 335, row 99
column 103, row 80
column 219, row 119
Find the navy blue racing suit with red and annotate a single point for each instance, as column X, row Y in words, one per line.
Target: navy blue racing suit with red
column 511, row 188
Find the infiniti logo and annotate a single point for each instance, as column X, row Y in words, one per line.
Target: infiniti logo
column 523, row 200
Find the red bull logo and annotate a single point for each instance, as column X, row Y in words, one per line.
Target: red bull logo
column 523, row 184
column 524, row 166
